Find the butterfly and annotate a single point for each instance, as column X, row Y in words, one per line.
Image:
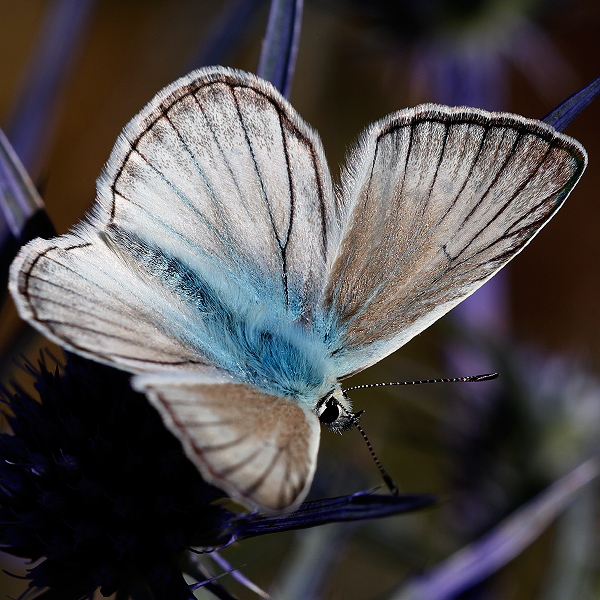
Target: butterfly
column 222, row 267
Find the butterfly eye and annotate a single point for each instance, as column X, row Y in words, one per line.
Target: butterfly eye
column 330, row 412
column 335, row 412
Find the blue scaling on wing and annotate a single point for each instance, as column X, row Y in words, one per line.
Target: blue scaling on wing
column 239, row 328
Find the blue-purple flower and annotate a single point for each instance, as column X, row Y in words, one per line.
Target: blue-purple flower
column 94, row 487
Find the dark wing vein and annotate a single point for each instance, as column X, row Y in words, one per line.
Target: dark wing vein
column 475, row 160
column 506, row 205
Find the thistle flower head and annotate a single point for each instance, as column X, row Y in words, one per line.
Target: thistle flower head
column 92, row 481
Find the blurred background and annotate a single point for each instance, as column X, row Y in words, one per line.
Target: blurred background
column 485, row 448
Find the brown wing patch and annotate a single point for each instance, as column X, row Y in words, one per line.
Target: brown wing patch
column 260, row 448
column 440, row 199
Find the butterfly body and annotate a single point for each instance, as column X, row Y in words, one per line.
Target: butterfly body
column 223, row 270
column 233, row 326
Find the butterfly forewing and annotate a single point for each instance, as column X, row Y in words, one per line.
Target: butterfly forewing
column 437, row 199
column 260, row 448
column 220, row 171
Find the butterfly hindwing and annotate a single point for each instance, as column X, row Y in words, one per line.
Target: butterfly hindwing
column 86, row 299
column 260, row 448
column 437, row 200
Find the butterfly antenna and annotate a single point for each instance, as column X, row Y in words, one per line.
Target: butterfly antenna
column 384, row 474
column 472, row 378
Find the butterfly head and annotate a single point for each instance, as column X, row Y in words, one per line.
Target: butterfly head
column 335, row 411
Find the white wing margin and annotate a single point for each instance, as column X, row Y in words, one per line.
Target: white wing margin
column 261, row 449
column 437, row 200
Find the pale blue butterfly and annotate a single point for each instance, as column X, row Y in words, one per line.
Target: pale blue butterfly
column 220, row 265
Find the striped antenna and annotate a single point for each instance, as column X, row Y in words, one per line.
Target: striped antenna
column 384, row 474
column 472, row 378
